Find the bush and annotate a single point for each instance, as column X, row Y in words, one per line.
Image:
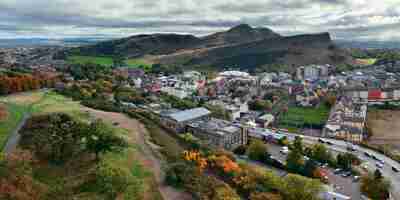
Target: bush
column 240, row 150
column 257, row 150
column 111, row 180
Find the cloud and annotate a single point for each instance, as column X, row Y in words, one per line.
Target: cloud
column 350, row 19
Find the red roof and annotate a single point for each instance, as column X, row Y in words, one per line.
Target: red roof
column 375, row 94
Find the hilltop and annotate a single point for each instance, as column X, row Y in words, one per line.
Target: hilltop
column 242, row 45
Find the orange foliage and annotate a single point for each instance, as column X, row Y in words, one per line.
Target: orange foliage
column 21, row 83
column 3, row 112
column 17, row 182
column 225, row 163
column 196, row 157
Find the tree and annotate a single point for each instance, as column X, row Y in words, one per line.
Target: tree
column 297, row 145
column 320, row 153
column 297, row 187
column 257, row 150
column 112, row 180
column 295, row 162
column 309, row 168
column 56, row 136
column 99, row 138
column 375, row 186
column 265, row 196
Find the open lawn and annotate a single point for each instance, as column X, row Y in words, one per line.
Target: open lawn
column 385, row 127
column 37, row 102
column 298, row 117
column 106, row 61
column 135, row 63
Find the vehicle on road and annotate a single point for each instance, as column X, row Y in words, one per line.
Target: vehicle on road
column 329, row 143
column 367, row 154
column 351, row 148
column 321, row 141
column 337, row 171
column 356, row 178
column 395, row 169
column 379, row 165
column 284, row 150
column 346, row 174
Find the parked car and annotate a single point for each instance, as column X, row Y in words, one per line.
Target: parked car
column 329, row 143
column 395, row 169
column 367, row 154
column 351, row 148
column 321, row 141
column 356, row 178
column 346, row 174
column 337, row 171
column 379, row 165
column 284, row 150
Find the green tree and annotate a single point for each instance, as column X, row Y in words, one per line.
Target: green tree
column 111, row 180
column 297, row 187
column 375, row 186
column 257, row 150
column 295, row 162
column 100, row 138
column 56, row 136
column 320, row 153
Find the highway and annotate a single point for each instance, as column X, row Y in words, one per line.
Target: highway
column 341, row 146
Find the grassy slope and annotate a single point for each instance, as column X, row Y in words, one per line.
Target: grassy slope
column 57, row 177
column 107, row 61
column 135, row 62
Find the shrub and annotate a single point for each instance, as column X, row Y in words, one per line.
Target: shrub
column 257, row 150
column 111, row 180
column 240, row 150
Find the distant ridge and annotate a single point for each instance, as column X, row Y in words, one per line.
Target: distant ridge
column 241, row 45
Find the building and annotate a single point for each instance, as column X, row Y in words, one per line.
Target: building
column 177, row 121
column 312, row 72
column 219, row 133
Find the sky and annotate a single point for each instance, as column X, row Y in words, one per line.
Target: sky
column 359, row 20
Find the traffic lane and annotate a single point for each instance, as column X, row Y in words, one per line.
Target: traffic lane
column 344, row 185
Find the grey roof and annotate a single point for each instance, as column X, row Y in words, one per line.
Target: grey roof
column 188, row 115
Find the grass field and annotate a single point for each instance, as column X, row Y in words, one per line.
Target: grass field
column 134, row 63
column 35, row 103
column 385, row 126
column 106, row 61
column 296, row 117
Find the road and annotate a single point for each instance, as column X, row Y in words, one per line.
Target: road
column 341, row 146
column 13, row 139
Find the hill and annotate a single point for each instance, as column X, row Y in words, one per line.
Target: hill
column 242, row 46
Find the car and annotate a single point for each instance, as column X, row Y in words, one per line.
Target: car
column 395, row 169
column 346, row 174
column 337, row 171
column 321, row 141
column 367, row 154
column 329, row 143
column 356, row 178
column 284, row 151
column 379, row 165
column 351, row 148
column 374, row 157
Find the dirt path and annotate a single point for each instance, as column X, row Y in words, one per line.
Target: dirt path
column 148, row 159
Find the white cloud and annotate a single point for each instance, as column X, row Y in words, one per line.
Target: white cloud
column 352, row 19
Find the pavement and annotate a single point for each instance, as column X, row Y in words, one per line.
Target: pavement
column 14, row 138
column 341, row 146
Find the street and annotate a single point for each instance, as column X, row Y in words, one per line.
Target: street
column 341, row 146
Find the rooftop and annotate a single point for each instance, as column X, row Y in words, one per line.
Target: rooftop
column 188, row 115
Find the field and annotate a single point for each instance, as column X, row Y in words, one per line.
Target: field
column 106, row 61
column 298, row 117
column 34, row 103
column 135, row 63
column 385, row 126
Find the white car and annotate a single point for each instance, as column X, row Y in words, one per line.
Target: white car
column 379, row 165
column 284, row 150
